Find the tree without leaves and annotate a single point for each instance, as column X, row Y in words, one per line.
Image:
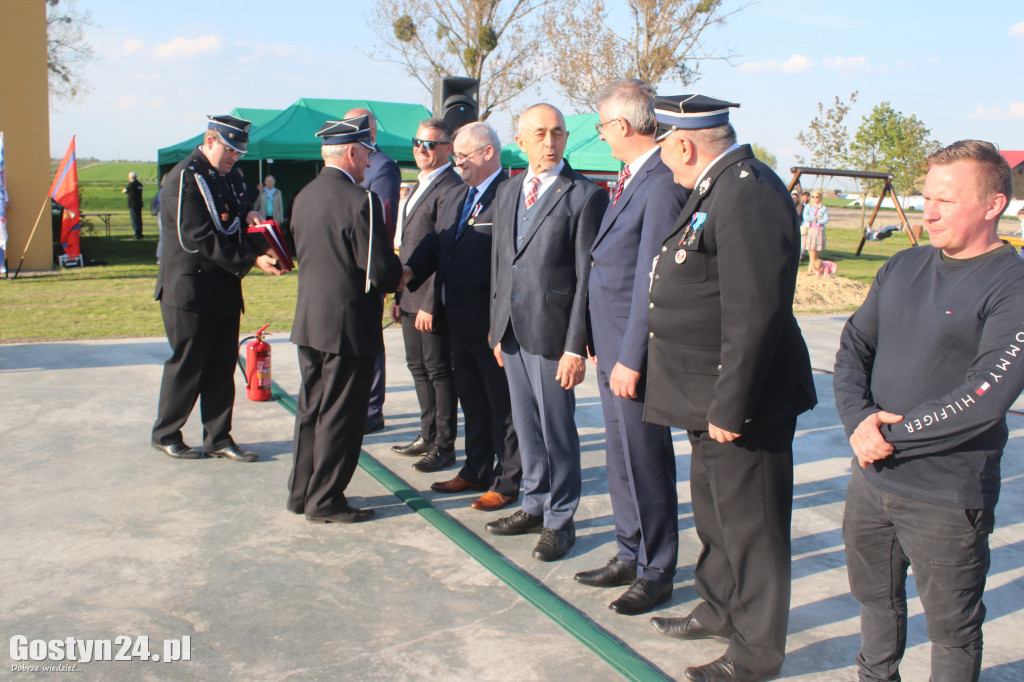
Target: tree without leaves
column 826, row 137
column 493, row 41
column 890, row 142
column 661, row 42
column 66, row 50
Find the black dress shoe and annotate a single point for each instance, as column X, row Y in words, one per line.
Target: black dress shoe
column 177, row 450
column 686, row 627
column 374, row 424
column 517, row 524
column 417, row 447
column 435, row 460
column 235, row 453
column 347, row 515
column 642, row 596
column 553, row 544
column 722, row 669
column 613, row 574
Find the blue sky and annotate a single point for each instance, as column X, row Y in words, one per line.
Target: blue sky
column 162, row 66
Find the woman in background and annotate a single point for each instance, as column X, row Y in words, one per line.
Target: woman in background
column 815, row 217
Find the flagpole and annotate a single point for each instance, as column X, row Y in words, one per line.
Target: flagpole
column 32, row 234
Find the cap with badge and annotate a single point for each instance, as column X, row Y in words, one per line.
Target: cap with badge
column 689, row 112
column 347, row 131
column 233, row 131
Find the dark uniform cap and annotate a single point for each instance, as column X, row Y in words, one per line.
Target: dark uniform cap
column 689, row 112
column 347, row 131
column 234, row 132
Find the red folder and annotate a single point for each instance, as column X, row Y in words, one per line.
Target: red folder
column 266, row 237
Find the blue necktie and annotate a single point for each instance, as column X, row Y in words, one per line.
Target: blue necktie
column 466, row 210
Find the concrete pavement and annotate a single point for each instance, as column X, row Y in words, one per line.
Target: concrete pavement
column 104, row 537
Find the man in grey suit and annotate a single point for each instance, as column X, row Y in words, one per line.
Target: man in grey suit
column 545, row 223
column 346, row 264
column 640, row 460
column 383, row 178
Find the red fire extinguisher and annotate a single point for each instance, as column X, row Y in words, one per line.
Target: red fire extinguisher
column 257, row 366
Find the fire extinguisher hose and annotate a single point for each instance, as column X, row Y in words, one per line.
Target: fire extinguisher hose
column 239, row 359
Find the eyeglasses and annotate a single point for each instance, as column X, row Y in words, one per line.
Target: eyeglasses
column 229, row 148
column 459, row 158
column 662, row 131
column 427, row 144
column 599, row 126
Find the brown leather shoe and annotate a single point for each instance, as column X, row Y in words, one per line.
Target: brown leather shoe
column 455, row 485
column 491, row 501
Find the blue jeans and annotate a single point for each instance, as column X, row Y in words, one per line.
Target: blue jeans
column 948, row 550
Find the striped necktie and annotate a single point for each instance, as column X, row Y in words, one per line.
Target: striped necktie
column 531, row 192
column 623, row 176
column 466, row 211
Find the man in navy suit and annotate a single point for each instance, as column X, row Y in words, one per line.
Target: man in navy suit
column 545, row 223
column 424, row 328
column 640, row 460
column 460, row 255
column 383, row 178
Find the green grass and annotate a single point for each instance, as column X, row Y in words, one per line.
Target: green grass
column 116, row 172
column 116, row 300
column 842, row 248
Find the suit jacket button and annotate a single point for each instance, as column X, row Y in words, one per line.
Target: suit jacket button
column 593, row 263
column 664, row 249
column 719, row 368
column 515, row 268
column 651, row 336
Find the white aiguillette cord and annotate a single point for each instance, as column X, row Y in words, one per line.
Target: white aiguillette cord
column 369, row 244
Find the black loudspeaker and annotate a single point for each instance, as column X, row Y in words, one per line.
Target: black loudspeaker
column 455, row 100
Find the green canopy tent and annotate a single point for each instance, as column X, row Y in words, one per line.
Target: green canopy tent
column 167, row 157
column 285, row 144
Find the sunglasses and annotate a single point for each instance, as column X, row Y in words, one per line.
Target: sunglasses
column 427, row 144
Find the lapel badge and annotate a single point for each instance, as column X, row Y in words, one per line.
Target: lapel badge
column 224, row 217
column 680, row 256
column 744, row 174
column 705, row 185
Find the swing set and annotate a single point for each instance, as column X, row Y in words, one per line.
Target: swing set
column 799, row 171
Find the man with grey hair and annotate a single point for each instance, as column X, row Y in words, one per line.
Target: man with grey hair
column 544, row 226
column 928, row 427
column 460, row 255
column 346, row 263
column 727, row 362
column 640, row 462
column 134, row 191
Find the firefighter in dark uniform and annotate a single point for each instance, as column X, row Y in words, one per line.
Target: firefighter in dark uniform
column 347, row 263
column 727, row 363
column 204, row 212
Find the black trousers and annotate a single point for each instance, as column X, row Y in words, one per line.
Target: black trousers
column 329, row 422
column 204, row 350
column 429, row 357
column 742, row 495
column 136, row 215
column 885, row 534
column 487, row 408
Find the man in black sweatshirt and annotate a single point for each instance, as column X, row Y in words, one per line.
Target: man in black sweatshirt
column 925, row 373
